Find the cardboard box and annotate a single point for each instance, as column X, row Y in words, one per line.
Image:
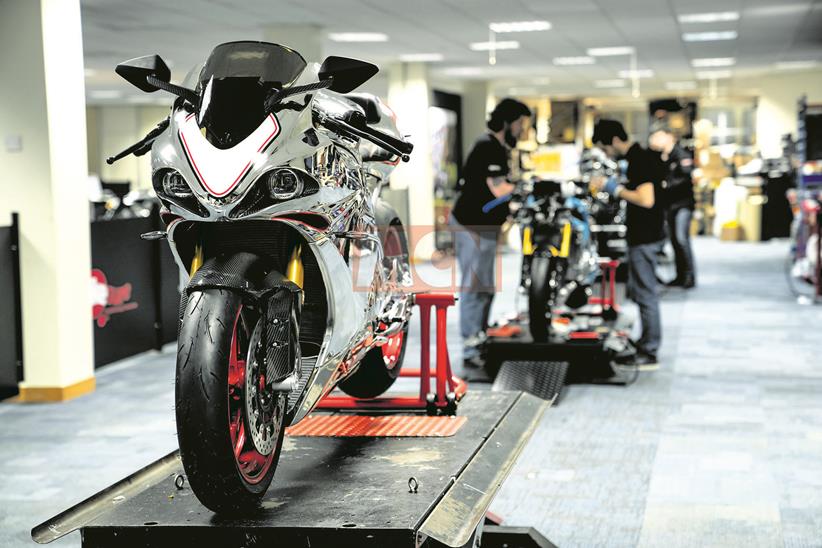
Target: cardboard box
column 732, row 232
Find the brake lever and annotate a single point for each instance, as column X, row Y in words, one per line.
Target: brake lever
column 143, row 145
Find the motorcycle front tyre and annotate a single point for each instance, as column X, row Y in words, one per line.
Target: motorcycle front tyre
column 545, row 281
column 209, row 324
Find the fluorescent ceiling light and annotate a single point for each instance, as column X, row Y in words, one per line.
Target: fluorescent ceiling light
column 421, row 57
column 639, row 73
column 776, row 11
column 680, row 86
column 713, row 74
column 605, row 52
column 520, row 26
column 710, row 36
column 565, row 61
column 713, row 17
column 487, row 46
column 105, row 94
column 463, row 71
column 358, row 37
column 713, row 62
column 522, row 91
column 602, row 84
column 796, row 65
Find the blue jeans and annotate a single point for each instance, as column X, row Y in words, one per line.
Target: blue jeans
column 679, row 224
column 476, row 253
column 642, row 289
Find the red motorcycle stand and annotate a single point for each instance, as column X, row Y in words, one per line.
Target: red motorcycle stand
column 607, row 296
column 449, row 389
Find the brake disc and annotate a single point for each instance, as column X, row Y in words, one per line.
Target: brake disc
column 263, row 407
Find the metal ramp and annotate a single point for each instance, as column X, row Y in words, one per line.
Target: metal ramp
column 543, row 379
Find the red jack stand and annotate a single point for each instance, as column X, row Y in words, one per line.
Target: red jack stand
column 449, row 388
column 607, row 297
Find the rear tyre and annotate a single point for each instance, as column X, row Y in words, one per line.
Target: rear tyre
column 381, row 366
column 230, row 429
column 546, row 278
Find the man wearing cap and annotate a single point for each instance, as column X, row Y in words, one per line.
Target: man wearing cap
column 476, row 226
column 645, row 230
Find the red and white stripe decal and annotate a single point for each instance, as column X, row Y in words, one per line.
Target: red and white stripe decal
column 220, row 171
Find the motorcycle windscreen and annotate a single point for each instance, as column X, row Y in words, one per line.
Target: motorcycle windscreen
column 235, row 82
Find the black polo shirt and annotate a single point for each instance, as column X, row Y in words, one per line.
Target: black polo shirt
column 488, row 158
column 645, row 225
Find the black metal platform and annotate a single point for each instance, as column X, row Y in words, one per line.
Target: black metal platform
column 329, row 491
column 577, row 360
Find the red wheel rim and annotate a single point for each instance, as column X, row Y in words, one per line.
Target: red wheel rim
column 251, row 464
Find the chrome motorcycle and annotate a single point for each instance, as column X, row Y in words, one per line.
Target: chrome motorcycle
column 296, row 272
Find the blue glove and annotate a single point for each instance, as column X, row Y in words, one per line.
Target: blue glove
column 495, row 202
column 611, row 185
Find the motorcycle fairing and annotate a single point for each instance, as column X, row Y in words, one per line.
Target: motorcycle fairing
column 219, row 171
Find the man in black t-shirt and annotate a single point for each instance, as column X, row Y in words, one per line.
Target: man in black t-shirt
column 476, row 220
column 645, row 223
column 679, row 201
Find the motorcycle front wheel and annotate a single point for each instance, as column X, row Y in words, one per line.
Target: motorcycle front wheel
column 546, row 279
column 229, row 426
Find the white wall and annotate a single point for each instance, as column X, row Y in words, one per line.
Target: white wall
column 777, row 104
column 113, row 128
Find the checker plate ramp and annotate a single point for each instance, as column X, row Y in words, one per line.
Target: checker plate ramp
column 383, row 426
column 542, row 379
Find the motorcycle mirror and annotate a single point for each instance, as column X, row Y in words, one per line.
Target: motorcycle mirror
column 346, row 74
column 135, row 71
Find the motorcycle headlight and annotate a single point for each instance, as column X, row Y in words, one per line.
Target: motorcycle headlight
column 284, row 184
column 175, row 186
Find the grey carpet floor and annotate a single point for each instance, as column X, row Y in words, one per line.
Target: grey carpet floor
column 721, row 447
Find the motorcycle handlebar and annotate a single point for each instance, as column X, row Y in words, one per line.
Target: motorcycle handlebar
column 395, row 146
column 143, row 145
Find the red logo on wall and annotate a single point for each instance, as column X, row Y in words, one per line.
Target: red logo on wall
column 108, row 299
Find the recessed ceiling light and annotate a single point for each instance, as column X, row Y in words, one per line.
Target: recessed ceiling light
column 713, row 62
column 605, row 52
column 358, row 37
column 710, row 36
column 775, row 11
column 105, row 94
column 463, row 71
column 522, row 91
column 502, row 44
column 712, row 17
column 520, row 26
column 639, row 73
column 421, row 57
column 680, row 86
column 602, row 84
column 796, row 65
column 713, row 74
column 564, row 61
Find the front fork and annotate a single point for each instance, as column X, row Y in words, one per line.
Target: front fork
column 294, row 272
